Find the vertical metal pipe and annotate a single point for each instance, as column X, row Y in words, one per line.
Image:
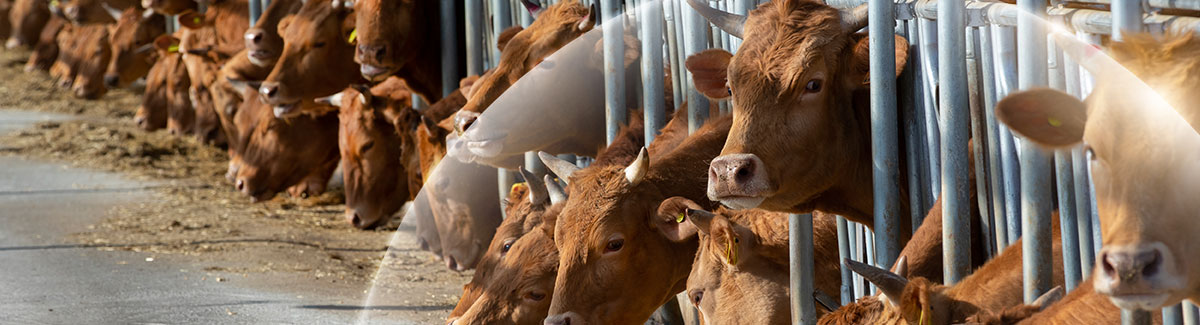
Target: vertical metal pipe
column 912, row 101
column 869, row 255
column 929, row 66
column 474, row 32
column 1173, row 315
column 884, row 129
column 256, row 9
column 1006, row 81
column 501, row 19
column 1083, row 211
column 954, row 105
column 800, row 237
column 847, row 292
column 1065, row 181
column 504, row 181
column 534, row 164
column 1035, row 162
column 449, row 47
column 1135, row 316
column 975, row 96
column 1191, row 314
column 1126, row 18
column 614, row 67
column 857, row 247
column 526, row 18
column 695, row 39
column 685, row 76
column 677, row 70
column 995, row 173
column 652, row 70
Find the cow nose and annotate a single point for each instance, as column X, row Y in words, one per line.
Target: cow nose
column 451, row 263
column 354, row 219
column 254, row 36
column 560, row 319
column 1125, row 265
column 269, row 89
column 140, row 121
column 111, row 81
column 241, row 185
column 737, row 175
column 372, row 51
column 72, row 12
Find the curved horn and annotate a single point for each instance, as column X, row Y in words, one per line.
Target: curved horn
column 537, row 190
column 557, row 195
column 1049, row 298
column 728, row 22
column 589, row 22
column 637, row 169
column 854, row 19
column 699, row 218
column 116, row 13
column 891, row 284
column 560, row 167
column 331, row 100
column 534, row 8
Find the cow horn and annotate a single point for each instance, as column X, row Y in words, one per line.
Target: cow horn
column 901, row 267
column 364, row 94
column 637, row 170
column 557, row 195
column 699, row 218
column 854, row 19
column 891, row 284
column 331, row 100
column 147, row 14
column 116, row 13
column 1049, row 298
column 534, row 8
column 729, row 22
column 537, row 191
column 590, row 22
column 560, row 167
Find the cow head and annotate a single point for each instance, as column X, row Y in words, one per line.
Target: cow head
column 152, row 113
column 465, row 210
column 94, row 52
column 170, row 7
column 133, row 46
column 84, row 12
column 555, row 26
column 385, row 32
column 373, row 164
column 28, row 17
column 263, row 43
column 317, row 58
column 1143, row 161
column 791, row 85
column 611, row 242
column 279, row 153
column 431, row 144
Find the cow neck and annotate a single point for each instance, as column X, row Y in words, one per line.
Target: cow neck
column 683, row 171
column 423, row 73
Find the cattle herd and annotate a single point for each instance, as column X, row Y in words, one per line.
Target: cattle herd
column 315, row 84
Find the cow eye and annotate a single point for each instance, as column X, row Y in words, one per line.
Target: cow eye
column 535, row 296
column 813, row 86
column 366, row 146
column 614, row 245
column 697, row 296
column 507, row 246
column 319, row 45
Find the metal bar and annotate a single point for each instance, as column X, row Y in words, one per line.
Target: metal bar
column 449, row 45
column 534, row 164
column 1126, row 18
column 695, row 39
column 685, row 76
column 954, row 105
column 474, row 33
column 929, row 59
column 1164, row 4
column 1135, row 316
column 884, row 129
column 614, row 68
column 652, row 70
column 975, row 94
column 1173, row 315
column 912, row 114
column 995, row 174
column 847, row 292
column 501, row 19
column 504, row 181
column 256, row 9
column 677, row 70
column 1083, row 208
column 800, row 237
column 1006, row 81
column 1065, row 181
column 1035, row 162
column 855, row 254
column 1191, row 314
column 869, row 255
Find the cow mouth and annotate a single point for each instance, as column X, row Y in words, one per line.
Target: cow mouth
column 261, row 58
column 738, row 202
column 285, row 110
column 375, row 73
column 1144, row 301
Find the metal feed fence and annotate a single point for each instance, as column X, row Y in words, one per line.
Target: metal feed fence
column 980, row 42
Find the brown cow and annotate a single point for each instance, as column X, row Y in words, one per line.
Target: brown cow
column 279, row 153
column 401, row 38
column 28, row 17
column 612, row 242
column 740, row 274
column 46, row 51
column 263, row 43
column 152, row 114
column 555, row 26
column 317, row 59
column 1143, row 150
column 85, row 12
column 1082, row 306
column 91, row 54
column 229, row 18
column 465, row 210
column 133, row 46
column 170, row 7
column 202, row 65
column 181, row 116
column 374, row 164
column 995, row 286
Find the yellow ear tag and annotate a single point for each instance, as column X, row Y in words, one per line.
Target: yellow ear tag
column 679, row 218
column 197, row 20
column 515, row 185
column 173, row 49
column 353, row 36
column 731, row 251
column 1054, row 122
column 921, row 321
column 54, row 3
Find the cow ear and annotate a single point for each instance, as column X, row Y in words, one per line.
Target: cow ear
column 731, row 246
column 166, row 43
column 672, row 220
column 859, row 64
column 467, row 85
column 191, row 19
column 283, row 24
column 915, row 302
column 710, row 72
column 506, row 36
column 1046, row 116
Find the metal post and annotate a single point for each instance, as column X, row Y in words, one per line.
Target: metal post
column 1173, row 315
column 954, row 105
column 1135, row 316
column 614, row 68
column 929, row 66
column 652, row 70
column 858, row 248
column 501, row 19
column 800, row 237
column 1065, row 182
column 1127, row 18
column 1006, row 81
column 870, row 256
column 847, row 292
column 677, row 70
column 474, row 33
column 1035, row 162
column 995, row 173
column 256, row 9
column 1191, row 314
column 884, row 152
column 913, row 101
column 1083, row 211
column 504, row 181
column 695, row 39
column 975, row 95
column 449, row 31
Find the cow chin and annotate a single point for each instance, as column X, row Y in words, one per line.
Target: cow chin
column 375, row 73
column 741, row 203
column 1143, row 302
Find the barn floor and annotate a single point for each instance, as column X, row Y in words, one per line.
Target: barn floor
column 188, row 219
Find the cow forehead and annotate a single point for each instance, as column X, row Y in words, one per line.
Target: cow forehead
column 779, row 45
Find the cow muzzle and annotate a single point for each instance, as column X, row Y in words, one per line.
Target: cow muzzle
column 739, row 181
column 1141, row 276
column 567, row 318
